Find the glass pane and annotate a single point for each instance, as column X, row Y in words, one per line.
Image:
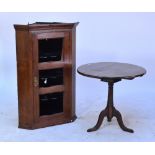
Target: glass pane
column 51, row 103
column 50, row 77
column 50, row 49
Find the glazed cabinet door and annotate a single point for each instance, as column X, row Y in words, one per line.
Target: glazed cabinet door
column 52, row 72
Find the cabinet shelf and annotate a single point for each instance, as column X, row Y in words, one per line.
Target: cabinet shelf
column 50, row 65
column 52, row 89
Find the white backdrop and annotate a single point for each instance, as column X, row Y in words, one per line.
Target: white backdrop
column 121, row 37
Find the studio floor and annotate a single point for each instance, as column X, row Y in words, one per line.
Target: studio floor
column 136, row 115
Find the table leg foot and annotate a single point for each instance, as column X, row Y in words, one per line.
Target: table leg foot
column 99, row 122
column 117, row 114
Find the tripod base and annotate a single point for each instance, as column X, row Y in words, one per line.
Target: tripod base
column 105, row 113
column 110, row 112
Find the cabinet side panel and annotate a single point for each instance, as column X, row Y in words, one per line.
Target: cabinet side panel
column 73, row 58
column 24, row 76
column 69, row 76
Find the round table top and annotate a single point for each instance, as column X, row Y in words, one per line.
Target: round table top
column 111, row 70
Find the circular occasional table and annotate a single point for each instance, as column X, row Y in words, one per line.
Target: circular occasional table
column 111, row 72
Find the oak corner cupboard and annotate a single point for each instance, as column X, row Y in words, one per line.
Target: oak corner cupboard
column 46, row 73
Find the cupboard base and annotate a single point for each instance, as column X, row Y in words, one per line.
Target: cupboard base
column 46, row 124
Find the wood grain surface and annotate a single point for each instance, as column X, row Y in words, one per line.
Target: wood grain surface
column 111, row 70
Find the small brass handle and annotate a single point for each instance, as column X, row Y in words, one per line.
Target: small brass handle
column 36, row 81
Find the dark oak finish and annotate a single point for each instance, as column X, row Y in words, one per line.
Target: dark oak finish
column 29, row 65
column 111, row 70
column 111, row 73
column 58, row 88
column 51, row 65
